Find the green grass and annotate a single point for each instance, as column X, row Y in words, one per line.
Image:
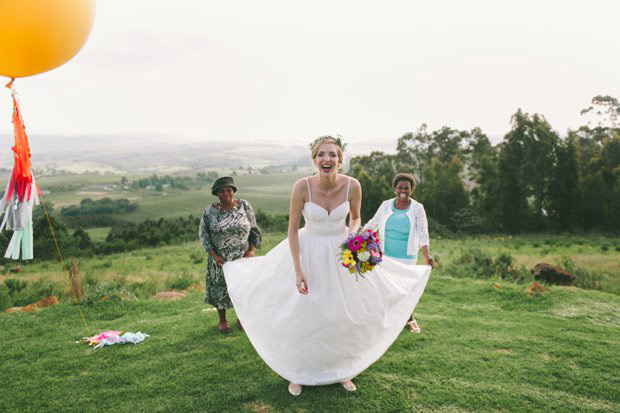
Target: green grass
column 98, row 234
column 586, row 251
column 267, row 192
column 140, row 266
column 481, row 349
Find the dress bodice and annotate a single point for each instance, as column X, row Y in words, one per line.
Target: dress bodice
column 321, row 222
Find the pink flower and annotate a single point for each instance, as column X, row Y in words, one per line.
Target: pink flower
column 356, row 243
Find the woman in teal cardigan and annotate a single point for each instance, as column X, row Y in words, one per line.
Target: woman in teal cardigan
column 402, row 226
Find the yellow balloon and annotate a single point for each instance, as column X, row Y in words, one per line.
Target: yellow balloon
column 40, row 35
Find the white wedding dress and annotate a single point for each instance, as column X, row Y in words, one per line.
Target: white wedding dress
column 342, row 325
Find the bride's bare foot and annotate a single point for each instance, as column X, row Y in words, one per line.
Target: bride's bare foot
column 413, row 326
column 294, row 389
column 348, row 385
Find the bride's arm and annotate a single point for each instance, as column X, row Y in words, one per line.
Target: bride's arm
column 355, row 219
column 294, row 216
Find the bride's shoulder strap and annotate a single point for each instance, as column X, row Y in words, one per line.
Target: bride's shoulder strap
column 348, row 187
column 309, row 193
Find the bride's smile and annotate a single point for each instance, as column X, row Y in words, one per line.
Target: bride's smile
column 327, row 160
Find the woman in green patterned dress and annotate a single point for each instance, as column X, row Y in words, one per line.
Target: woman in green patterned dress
column 228, row 231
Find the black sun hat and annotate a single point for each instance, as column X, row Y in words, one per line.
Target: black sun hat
column 221, row 182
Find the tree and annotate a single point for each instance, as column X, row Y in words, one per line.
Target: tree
column 526, row 165
column 515, row 214
column 565, row 192
column 416, row 150
column 606, row 109
column 375, row 173
column 443, row 193
column 598, row 153
column 483, row 172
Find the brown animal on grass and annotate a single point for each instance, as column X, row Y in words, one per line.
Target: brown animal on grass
column 535, row 288
column 42, row 303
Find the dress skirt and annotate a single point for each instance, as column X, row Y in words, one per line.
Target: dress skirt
column 340, row 327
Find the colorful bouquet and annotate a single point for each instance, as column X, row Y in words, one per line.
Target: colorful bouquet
column 360, row 252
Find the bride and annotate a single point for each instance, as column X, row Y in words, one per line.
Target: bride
column 310, row 320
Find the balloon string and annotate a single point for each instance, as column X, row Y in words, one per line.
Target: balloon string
column 64, row 267
column 10, row 85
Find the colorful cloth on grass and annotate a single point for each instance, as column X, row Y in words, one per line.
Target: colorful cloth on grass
column 107, row 338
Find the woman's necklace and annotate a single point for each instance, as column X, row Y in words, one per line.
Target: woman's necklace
column 326, row 192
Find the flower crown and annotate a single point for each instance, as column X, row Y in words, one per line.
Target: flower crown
column 338, row 139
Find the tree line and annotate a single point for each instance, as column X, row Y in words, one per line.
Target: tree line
column 534, row 180
column 159, row 183
column 96, row 213
column 123, row 236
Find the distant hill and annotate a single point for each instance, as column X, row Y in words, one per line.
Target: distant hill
column 160, row 153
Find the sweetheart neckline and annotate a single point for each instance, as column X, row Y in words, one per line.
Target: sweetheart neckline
column 325, row 209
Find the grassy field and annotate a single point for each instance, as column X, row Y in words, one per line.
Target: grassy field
column 267, row 192
column 486, row 344
column 481, row 349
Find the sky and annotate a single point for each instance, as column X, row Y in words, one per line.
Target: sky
column 288, row 71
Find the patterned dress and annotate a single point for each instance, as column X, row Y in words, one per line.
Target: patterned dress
column 230, row 233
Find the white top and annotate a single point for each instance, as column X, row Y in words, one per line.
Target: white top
column 418, row 227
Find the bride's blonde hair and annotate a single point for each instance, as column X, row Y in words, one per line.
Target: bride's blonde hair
column 337, row 140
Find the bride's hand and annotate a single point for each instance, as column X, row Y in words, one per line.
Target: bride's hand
column 301, row 283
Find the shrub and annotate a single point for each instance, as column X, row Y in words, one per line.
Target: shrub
column 14, row 286
column 34, row 292
column 144, row 289
column 477, row 263
column 584, row 278
column 115, row 290
column 5, row 300
column 197, row 257
column 271, row 223
column 588, row 279
column 179, row 282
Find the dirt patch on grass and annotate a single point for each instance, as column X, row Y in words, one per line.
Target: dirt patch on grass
column 258, row 407
column 168, row 295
